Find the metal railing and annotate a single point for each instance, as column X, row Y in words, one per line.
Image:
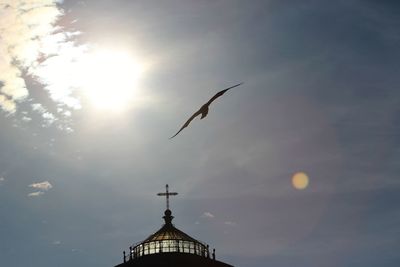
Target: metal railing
column 167, row 246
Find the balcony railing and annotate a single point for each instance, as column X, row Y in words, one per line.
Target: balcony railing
column 167, row 246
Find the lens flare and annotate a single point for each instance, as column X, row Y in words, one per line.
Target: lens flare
column 300, row 180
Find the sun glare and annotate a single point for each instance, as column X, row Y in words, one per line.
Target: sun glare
column 109, row 79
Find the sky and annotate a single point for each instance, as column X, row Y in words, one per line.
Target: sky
column 296, row 167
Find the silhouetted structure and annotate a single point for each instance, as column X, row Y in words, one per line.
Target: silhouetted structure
column 170, row 246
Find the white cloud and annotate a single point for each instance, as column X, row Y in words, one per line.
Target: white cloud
column 22, row 25
column 31, row 42
column 35, row 194
column 67, row 113
column 48, row 117
column 67, row 129
column 57, row 242
column 230, row 223
column 38, row 107
column 207, row 215
column 42, row 186
column 26, row 118
column 2, row 180
column 7, row 104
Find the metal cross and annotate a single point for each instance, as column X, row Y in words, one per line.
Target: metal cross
column 167, row 194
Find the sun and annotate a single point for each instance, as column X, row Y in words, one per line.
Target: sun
column 109, row 78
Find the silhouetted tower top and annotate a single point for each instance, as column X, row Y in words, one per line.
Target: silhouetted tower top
column 170, row 246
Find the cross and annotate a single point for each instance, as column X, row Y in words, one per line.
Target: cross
column 167, row 194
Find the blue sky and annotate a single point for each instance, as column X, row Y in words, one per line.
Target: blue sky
column 90, row 92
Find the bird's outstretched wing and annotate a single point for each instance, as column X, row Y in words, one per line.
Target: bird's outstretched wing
column 204, row 108
column 220, row 93
column 197, row 113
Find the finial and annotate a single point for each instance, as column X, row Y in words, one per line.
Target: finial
column 168, row 216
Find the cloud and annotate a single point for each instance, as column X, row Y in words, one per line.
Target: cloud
column 57, row 242
column 2, row 180
column 32, row 44
column 7, row 104
column 22, row 25
column 45, row 186
column 48, row 117
column 26, row 119
column 65, row 128
column 230, row 223
column 42, row 186
column 207, row 215
column 38, row 107
column 35, row 194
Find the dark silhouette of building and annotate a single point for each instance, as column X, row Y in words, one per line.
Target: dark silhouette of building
column 170, row 246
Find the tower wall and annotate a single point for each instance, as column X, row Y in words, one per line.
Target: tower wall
column 173, row 260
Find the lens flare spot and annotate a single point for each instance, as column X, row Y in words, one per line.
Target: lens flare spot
column 300, row 180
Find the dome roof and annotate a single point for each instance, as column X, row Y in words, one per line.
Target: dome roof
column 169, row 232
column 169, row 239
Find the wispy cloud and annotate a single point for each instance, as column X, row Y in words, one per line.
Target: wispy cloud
column 35, row 194
column 22, row 25
column 38, row 107
column 7, row 104
column 48, row 117
column 230, row 223
column 26, row 118
column 42, row 186
column 2, row 180
column 32, row 43
column 207, row 215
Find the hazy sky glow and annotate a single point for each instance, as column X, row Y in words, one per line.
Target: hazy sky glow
column 296, row 167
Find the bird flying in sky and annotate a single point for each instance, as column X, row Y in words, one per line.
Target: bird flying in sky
column 204, row 109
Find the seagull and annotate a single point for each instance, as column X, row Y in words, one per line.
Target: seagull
column 204, row 108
